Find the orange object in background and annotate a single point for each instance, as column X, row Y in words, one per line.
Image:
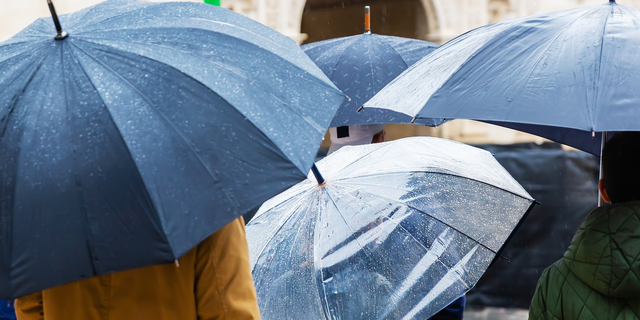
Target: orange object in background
column 212, row 281
column 367, row 19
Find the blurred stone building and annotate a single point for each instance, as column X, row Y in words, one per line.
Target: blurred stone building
column 312, row 20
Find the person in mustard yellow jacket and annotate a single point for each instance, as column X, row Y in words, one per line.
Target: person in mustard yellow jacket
column 212, row 281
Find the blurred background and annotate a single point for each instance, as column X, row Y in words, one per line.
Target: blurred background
column 562, row 179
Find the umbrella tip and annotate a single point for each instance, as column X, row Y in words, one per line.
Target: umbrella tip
column 414, row 120
column 360, row 109
column 317, row 174
column 367, row 19
column 61, row 34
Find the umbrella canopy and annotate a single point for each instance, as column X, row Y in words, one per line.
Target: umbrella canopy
column 361, row 65
column 143, row 132
column 564, row 75
column 397, row 231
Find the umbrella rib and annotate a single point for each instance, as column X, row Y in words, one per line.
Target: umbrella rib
column 203, row 84
column 163, row 234
column 542, row 56
column 88, row 234
column 347, row 224
column 109, row 18
column 400, row 225
column 264, row 36
column 16, row 98
column 442, row 173
column 335, row 67
column 154, row 108
column 434, row 218
column 87, row 36
column 8, row 116
column 604, row 32
column 363, row 247
column 284, row 221
column 29, row 46
column 311, row 77
column 373, row 74
column 360, row 158
column 324, row 289
column 394, row 50
column 464, row 64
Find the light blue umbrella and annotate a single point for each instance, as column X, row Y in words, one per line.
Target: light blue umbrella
column 566, row 75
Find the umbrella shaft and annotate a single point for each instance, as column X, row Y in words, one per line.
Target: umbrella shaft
column 604, row 141
column 367, row 19
column 317, row 174
column 55, row 17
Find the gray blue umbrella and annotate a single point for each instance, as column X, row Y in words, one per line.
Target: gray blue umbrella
column 361, row 66
column 566, row 75
column 143, row 132
column 397, row 230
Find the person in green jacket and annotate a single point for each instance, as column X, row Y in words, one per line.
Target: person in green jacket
column 599, row 275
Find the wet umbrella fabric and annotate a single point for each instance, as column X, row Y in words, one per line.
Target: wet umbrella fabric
column 398, row 231
column 360, row 66
column 563, row 75
column 146, row 130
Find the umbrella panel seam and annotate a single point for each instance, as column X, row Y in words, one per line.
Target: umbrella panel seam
column 8, row 117
column 297, row 112
column 440, row 173
column 444, row 223
column 147, row 193
column 284, row 221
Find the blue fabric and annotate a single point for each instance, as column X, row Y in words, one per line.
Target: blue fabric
column 560, row 75
column 454, row 311
column 170, row 119
column 6, row 310
column 361, row 66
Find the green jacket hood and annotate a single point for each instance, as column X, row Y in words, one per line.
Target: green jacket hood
column 605, row 252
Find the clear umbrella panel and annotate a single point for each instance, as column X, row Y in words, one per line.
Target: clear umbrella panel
column 398, row 231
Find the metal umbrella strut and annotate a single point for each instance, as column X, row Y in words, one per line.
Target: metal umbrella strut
column 362, row 65
column 567, row 76
column 140, row 131
column 394, row 230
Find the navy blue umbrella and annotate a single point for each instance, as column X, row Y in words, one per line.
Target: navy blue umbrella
column 361, row 65
column 566, row 75
column 140, row 131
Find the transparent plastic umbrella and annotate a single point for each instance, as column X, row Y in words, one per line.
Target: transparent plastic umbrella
column 397, row 231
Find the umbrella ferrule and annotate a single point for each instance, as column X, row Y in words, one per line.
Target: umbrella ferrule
column 317, row 174
column 367, row 19
column 61, row 34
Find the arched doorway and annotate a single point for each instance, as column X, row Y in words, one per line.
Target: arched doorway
column 327, row 19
